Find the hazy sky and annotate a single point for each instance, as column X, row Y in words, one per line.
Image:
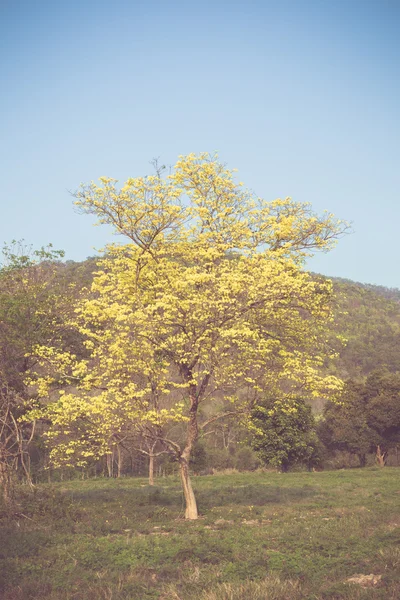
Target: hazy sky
column 301, row 96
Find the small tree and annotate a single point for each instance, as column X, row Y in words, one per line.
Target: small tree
column 344, row 425
column 283, row 432
column 14, row 440
column 367, row 419
column 29, row 309
column 382, row 393
column 208, row 296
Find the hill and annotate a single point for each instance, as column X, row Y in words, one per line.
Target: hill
column 368, row 317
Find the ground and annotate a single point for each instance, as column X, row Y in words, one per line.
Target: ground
column 260, row 536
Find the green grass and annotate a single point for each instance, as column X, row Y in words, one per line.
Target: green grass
column 261, row 536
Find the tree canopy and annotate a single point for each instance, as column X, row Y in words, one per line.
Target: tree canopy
column 283, row 432
column 209, row 295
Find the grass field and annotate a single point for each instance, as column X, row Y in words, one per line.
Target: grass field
column 261, row 536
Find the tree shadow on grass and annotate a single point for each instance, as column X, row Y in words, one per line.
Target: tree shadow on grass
column 143, row 496
column 254, row 495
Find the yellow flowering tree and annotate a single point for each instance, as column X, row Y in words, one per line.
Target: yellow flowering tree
column 209, row 295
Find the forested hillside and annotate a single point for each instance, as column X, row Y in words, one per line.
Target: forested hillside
column 368, row 317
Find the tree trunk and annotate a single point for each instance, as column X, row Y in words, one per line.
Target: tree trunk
column 380, row 456
column 363, row 460
column 110, row 462
column 191, row 511
column 6, row 483
column 192, row 435
column 27, row 469
column 151, row 468
column 190, row 500
column 119, row 461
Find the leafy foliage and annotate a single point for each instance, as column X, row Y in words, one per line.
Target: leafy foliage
column 209, row 294
column 29, row 314
column 283, row 433
column 367, row 418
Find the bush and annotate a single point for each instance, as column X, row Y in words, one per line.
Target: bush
column 246, row 459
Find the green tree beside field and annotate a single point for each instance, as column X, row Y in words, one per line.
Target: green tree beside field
column 283, row 433
column 367, row 419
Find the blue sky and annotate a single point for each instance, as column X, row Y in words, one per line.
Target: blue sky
column 302, row 97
